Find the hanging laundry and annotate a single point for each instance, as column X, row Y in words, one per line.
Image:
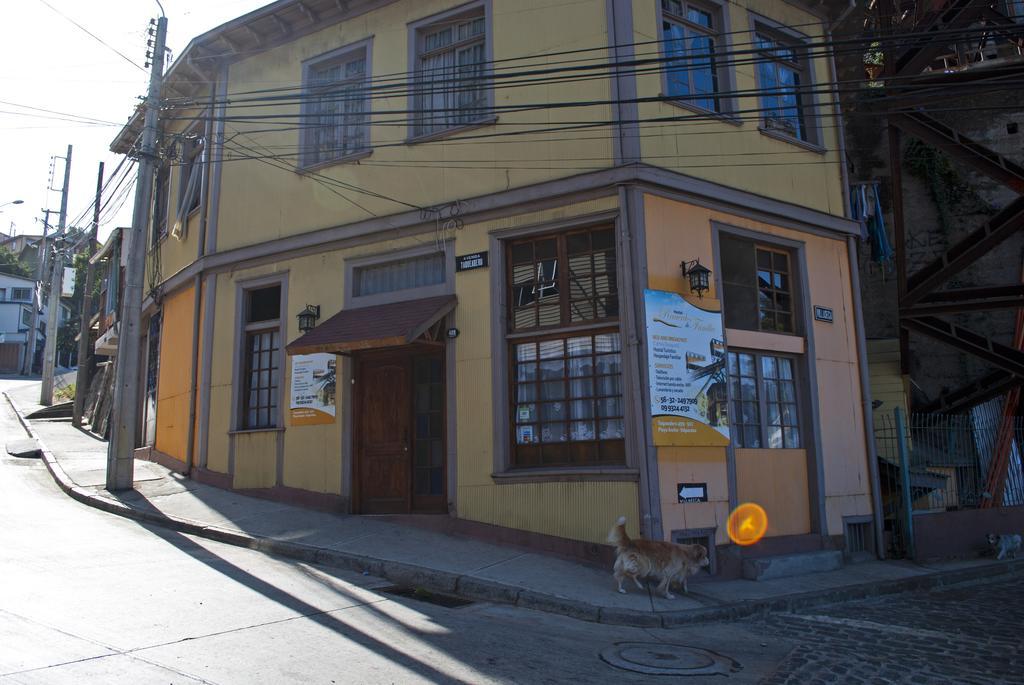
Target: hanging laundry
column 867, row 210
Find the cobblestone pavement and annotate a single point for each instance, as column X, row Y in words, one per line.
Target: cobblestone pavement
column 966, row 634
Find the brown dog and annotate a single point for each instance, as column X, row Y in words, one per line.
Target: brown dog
column 667, row 560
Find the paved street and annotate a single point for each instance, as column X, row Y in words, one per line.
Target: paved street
column 966, row 634
column 91, row 597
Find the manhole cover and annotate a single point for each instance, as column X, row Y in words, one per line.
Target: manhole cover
column 657, row 658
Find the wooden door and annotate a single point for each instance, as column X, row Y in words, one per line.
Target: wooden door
column 382, row 418
column 9, row 354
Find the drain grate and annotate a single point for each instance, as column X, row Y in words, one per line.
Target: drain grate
column 659, row 658
column 421, row 595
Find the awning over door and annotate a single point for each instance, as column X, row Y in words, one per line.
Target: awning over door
column 383, row 325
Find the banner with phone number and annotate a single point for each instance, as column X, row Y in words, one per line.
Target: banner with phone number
column 687, row 371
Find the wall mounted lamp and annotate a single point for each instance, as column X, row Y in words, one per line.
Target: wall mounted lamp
column 699, row 275
column 308, row 317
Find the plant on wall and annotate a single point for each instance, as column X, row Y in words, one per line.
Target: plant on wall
column 947, row 188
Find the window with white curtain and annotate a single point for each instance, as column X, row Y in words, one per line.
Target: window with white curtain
column 401, row 274
column 451, row 74
column 337, row 107
column 765, row 411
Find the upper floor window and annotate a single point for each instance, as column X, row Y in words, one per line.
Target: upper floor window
column 337, row 106
column 191, row 173
column 783, row 77
column 400, row 274
column 690, row 32
column 21, row 294
column 451, row 73
column 26, row 317
column 758, row 287
column 3, row 294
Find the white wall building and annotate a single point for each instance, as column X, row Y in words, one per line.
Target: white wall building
column 17, row 295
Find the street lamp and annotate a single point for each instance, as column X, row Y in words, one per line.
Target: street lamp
column 12, row 202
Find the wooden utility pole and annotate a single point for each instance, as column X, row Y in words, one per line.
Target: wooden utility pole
column 56, row 279
column 128, row 376
column 84, row 347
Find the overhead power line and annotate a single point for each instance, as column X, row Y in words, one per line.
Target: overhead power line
column 397, row 84
column 95, row 37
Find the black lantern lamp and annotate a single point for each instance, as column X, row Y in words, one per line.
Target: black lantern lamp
column 308, row 317
column 699, row 275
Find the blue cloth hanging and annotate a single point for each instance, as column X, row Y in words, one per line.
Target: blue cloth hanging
column 868, row 212
column 881, row 250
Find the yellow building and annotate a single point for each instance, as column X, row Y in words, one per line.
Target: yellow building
column 484, row 218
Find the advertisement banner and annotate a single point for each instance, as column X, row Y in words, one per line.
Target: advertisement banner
column 312, row 395
column 686, row 367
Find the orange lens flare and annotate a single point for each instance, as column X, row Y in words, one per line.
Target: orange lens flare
column 747, row 524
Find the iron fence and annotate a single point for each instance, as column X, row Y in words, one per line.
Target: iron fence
column 940, row 462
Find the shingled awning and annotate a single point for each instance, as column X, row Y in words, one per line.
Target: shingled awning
column 382, row 325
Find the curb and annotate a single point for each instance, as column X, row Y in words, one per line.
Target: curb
column 472, row 587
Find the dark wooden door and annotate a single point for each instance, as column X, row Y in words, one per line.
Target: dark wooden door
column 382, row 419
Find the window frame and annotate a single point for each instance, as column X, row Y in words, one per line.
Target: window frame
column 723, row 74
column 446, row 287
column 27, row 292
column 416, row 49
column 808, row 102
column 193, row 153
column 514, row 403
column 763, row 402
column 563, row 331
column 562, row 279
column 796, row 281
column 339, row 56
column 243, row 329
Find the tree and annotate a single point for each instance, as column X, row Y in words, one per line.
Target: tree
column 9, row 264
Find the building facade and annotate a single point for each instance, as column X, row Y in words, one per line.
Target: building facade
column 486, row 209
column 17, row 297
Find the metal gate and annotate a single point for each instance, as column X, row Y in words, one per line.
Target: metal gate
column 931, row 463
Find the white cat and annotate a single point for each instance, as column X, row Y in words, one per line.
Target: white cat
column 1004, row 545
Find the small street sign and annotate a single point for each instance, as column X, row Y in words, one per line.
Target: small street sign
column 823, row 314
column 692, row 492
column 468, row 262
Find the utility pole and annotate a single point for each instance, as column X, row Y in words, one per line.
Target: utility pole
column 127, row 374
column 56, row 278
column 84, row 348
column 37, row 299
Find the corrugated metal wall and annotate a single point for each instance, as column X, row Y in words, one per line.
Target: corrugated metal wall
column 578, row 511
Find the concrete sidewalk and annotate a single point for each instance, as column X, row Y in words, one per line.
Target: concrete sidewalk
column 437, row 562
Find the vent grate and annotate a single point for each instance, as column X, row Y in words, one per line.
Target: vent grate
column 858, row 536
column 699, row 536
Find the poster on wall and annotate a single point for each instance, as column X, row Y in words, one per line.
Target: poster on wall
column 313, row 382
column 687, row 372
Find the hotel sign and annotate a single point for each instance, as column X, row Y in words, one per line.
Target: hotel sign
column 686, row 371
column 313, row 386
